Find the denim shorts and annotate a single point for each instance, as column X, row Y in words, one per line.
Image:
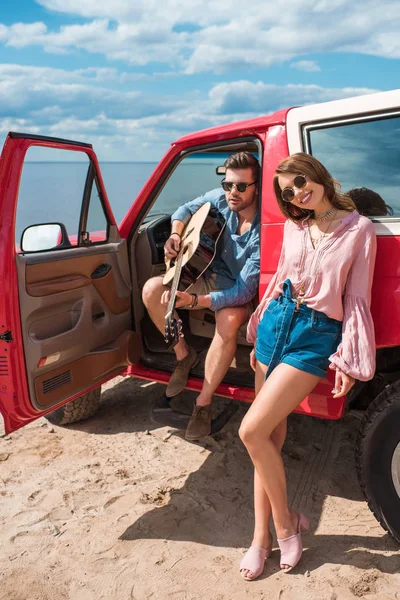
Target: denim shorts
column 301, row 337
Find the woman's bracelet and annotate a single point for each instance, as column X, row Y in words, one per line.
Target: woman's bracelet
column 194, row 301
column 176, row 233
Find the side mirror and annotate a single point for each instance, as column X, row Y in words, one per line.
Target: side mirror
column 220, row 170
column 45, row 236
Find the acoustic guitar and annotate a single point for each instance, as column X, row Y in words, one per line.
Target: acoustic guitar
column 197, row 251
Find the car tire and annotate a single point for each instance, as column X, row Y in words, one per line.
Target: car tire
column 78, row 410
column 378, row 458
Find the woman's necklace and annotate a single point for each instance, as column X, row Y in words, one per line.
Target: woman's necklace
column 321, row 234
column 316, row 242
column 325, row 215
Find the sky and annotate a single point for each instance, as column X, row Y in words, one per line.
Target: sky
column 132, row 76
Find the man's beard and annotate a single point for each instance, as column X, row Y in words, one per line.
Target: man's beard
column 238, row 206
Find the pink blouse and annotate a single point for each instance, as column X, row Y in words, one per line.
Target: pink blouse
column 336, row 278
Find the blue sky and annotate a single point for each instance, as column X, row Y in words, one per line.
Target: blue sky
column 131, row 76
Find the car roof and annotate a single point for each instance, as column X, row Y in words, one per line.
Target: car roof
column 247, row 127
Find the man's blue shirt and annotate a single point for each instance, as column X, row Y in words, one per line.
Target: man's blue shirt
column 237, row 263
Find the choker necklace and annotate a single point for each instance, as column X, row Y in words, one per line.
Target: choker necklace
column 325, row 215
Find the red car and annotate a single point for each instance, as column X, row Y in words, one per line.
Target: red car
column 70, row 303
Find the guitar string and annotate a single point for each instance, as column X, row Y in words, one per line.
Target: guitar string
column 178, row 271
column 209, row 263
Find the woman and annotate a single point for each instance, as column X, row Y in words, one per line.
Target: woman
column 314, row 314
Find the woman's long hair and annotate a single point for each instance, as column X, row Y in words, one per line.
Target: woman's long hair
column 305, row 164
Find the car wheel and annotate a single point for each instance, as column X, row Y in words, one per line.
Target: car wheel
column 378, row 458
column 79, row 409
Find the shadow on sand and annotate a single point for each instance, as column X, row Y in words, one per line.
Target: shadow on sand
column 215, row 505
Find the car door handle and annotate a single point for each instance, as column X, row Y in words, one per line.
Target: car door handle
column 101, row 271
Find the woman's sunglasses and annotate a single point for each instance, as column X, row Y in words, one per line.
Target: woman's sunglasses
column 287, row 194
column 240, row 186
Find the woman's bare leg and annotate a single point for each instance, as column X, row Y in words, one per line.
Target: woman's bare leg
column 285, row 388
column 262, row 506
column 262, row 537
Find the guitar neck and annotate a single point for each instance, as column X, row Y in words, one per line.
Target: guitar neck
column 175, row 282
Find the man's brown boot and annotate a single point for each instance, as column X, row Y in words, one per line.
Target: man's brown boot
column 180, row 374
column 199, row 425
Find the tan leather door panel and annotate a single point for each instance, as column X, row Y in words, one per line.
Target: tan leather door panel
column 107, row 290
column 74, row 376
column 59, row 276
column 76, row 329
column 61, row 284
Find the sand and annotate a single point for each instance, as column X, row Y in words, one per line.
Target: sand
column 120, row 508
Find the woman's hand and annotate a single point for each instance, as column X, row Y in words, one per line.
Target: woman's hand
column 343, row 384
column 171, row 246
column 182, row 298
column 253, row 360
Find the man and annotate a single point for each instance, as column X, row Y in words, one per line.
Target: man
column 369, row 203
column 227, row 287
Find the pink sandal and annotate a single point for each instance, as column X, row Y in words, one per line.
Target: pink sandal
column 254, row 561
column 292, row 547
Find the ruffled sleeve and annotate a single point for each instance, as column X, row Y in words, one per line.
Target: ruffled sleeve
column 355, row 355
column 267, row 297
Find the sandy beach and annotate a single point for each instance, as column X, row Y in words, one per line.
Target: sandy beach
column 120, row 508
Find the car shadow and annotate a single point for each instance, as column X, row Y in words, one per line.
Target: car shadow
column 124, row 407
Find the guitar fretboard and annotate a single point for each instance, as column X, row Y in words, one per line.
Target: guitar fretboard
column 175, row 282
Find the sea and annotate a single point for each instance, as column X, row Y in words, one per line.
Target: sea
column 52, row 191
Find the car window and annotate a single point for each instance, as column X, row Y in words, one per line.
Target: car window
column 123, row 182
column 192, row 177
column 51, row 190
column 97, row 224
column 362, row 154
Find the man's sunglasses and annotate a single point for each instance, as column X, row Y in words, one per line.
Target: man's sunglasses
column 240, row 186
column 287, row 194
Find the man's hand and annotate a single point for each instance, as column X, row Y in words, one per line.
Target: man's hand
column 343, row 384
column 182, row 299
column 171, row 247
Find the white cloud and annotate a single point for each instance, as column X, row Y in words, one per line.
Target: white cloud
column 199, row 12
column 81, row 93
column 84, row 104
column 309, row 66
column 22, row 34
column 261, row 98
column 204, row 36
column 136, row 44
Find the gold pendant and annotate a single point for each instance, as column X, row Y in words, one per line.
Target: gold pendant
column 300, row 298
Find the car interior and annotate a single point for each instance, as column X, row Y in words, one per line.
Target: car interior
column 146, row 249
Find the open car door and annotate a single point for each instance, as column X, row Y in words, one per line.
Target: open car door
column 65, row 299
